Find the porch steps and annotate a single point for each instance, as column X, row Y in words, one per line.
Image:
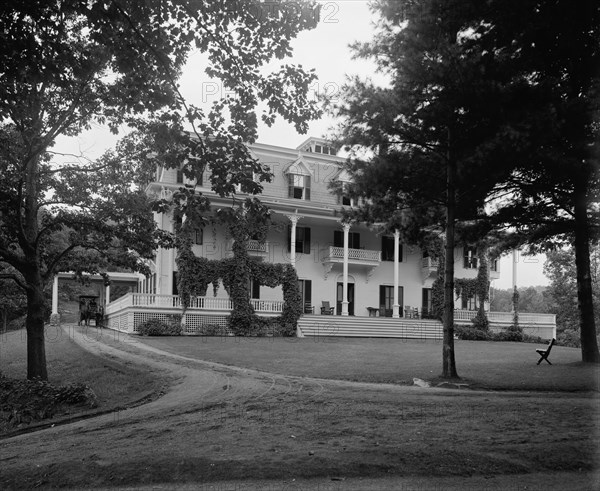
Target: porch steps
column 369, row 327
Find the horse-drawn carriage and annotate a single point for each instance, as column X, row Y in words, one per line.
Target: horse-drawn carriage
column 90, row 310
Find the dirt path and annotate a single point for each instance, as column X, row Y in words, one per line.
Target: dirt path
column 225, row 425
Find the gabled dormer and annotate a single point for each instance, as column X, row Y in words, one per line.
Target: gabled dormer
column 299, row 176
column 345, row 179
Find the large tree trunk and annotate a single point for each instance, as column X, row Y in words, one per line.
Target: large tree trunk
column 36, row 349
column 448, row 359
column 587, row 324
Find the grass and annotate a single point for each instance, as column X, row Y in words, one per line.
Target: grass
column 114, row 383
column 482, row 364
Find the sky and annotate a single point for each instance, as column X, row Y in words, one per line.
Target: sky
column 326, row 49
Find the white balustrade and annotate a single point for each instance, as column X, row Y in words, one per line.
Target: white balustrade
column 256, row 246
column 120, row 303
column 355, row 254
column 428, row 262
column 267, row 305
column 507, row 317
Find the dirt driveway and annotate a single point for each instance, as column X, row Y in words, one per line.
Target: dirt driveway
column 224, row 428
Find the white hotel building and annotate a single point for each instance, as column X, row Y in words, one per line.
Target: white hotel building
column 359, row 273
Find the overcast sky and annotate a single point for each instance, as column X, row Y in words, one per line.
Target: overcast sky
column 325, row 49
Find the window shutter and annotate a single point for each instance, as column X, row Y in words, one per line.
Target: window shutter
column 175, row 279
column 338, row 238
column 382, row 296
column 401, row 297
column 255, row 289
column 306, row 240
column 290, row 185
column 307, row 187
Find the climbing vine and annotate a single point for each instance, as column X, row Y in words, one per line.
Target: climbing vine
column 251, row 220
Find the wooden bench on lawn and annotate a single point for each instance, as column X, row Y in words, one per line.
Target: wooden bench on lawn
column 544, row 353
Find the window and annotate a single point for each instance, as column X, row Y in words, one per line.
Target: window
column 353, row 239
column 198, row 236
column 494, row 266
column 254, row 288
column 179, row 179
column 386, row 300
column 470, row 257
column 387, row 249
column 345, row 199
column 299, row 187
column 305, row 288
column 318, row 149
column 427, row 303
column 468, row 303
column 302, row 239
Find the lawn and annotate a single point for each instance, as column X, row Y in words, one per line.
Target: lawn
column 114, row 383
column 493, row 365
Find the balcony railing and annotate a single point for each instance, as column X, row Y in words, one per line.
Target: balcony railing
column 336, row 254
column 428, row 262
column 149, row 300
column 259, row 247
column 507, row 317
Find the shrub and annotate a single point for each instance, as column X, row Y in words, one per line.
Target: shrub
column 158, row 327
column 212, row 330
column 26, row 401
column 508, row 335
column 472, row 334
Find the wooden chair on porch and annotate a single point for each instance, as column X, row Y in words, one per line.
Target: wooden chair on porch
column 326, row 309
column 308, row 308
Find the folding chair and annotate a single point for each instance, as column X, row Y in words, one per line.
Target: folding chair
column 544, row 353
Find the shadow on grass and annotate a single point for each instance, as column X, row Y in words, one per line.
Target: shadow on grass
column 481, row 364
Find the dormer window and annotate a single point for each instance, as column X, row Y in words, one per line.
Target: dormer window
column 299, row 187
column 299, row 176
column 344, row 198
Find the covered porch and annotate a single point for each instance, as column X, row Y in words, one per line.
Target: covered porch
column 128, row 312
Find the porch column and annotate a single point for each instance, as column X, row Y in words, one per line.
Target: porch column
column 514, row 275
column 345, row 285
column 55, row 295
column 396, row 305
column 107, row 295
column 294, row 219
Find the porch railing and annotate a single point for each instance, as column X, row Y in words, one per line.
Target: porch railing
column 256, row 246
column 150, row 300
column 507, row 317
column 355, row 254
column 428, row 262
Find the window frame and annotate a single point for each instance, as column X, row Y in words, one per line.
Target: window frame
column 305, row 188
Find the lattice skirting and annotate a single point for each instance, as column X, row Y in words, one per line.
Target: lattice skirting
column 199, row 324
column 119, row 322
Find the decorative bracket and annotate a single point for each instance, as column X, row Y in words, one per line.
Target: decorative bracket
column 327, row 267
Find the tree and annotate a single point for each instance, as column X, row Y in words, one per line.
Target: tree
column 12, row 299
column 68, row 64
column 427, row 131
column 551, row 197
column 561, row 295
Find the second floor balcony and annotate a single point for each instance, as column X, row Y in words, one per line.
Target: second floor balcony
column 357, row 257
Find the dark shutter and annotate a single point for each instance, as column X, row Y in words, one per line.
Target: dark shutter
column 307, row 291
column 306, row 240
column 307, row 187
column 175, row 290
column 255, row 289
column 338, row 238
column 382, row 297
